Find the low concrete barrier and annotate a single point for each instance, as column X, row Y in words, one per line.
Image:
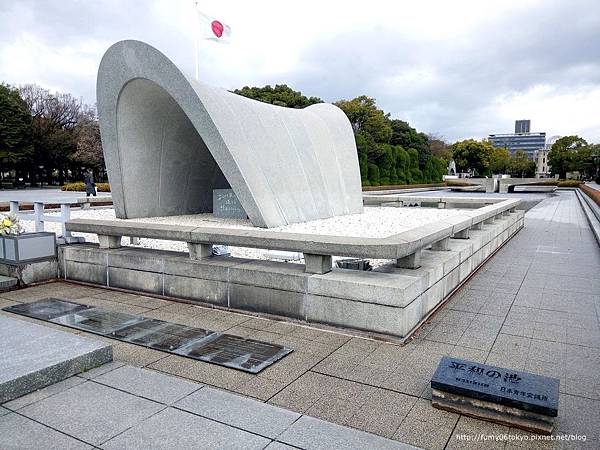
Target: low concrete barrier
column 441, row 202
column 404, row 247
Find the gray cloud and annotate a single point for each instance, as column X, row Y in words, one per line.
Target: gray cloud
column 450, row 87
column 554, row 44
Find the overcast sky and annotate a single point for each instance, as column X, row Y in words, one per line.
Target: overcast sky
column 456, row 68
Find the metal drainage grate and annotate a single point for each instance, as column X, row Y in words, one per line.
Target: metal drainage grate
column 226, row 350
column 46, row 309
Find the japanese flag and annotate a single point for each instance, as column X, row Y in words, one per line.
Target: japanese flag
column 213, row 29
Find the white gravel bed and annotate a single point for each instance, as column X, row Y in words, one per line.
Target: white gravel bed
column 375, row 222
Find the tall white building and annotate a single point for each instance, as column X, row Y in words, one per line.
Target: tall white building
column 542, row 168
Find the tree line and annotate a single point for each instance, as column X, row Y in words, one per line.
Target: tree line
column 46, row 137
column 568, row 155
column 53, row 137
column 390, row 151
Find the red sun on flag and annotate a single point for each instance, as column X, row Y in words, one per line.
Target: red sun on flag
column 217, row 28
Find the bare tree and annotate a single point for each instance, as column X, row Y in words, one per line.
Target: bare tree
column 54, row 117
column 51, row 111
column 89, row 145
column 439, row 147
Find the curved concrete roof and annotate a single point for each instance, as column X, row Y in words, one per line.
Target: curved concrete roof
column 169, row 140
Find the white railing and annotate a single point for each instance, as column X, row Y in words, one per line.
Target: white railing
column 39, row 216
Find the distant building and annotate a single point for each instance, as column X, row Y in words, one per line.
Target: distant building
column 522, row 126
column 542, row 168
column 521, row 139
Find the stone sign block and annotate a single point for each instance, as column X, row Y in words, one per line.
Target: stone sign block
column 226, row 205
column 33, row 356
column 501, row 395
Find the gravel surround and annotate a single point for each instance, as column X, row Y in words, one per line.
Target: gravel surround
column 374, row 222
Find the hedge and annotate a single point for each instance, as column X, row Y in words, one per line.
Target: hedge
column 557, row 183
column 367, row 187
column 80, row 187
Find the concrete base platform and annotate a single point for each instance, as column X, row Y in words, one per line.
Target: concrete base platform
column 390, row 301
column 32, row 272
column 34, row 356
column 493, row 412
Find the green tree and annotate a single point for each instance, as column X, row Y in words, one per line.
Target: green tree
column 15, row 127
column 499, row 160
column 589, row 163
column 406, row 136
column 472, row 155
column 372, row 131
column 280, row 95
column 520, row 165
column 563, row 156
column 366, row 118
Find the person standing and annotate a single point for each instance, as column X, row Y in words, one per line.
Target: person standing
column 90, row 186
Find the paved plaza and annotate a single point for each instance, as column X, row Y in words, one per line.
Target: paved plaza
column 534, row 306
column 41, row 195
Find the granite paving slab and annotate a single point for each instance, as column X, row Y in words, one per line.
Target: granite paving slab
column 148, row 384
column 173, row 429
column 33, row 356
column 20, row 433
column 94, row 373
column 315, row 434
column 279, row 446
column 241, row 412
column 92, row 412
column 41, row 394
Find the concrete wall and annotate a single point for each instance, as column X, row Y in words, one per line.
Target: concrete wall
column 392, row 301
column 169, row 140
column 34, row 272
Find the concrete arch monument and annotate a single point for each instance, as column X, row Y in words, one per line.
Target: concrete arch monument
column 169, row 140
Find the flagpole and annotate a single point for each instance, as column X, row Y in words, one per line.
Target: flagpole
column 197, row 41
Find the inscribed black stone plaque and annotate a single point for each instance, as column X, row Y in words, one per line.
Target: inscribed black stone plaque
column 237, row 352
column 227, row 205
column 161, row 335
column 96, row 320
column 46, row 309
column 522, row 390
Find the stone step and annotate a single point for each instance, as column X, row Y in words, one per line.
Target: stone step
column 7, row 282
column 34, row 356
